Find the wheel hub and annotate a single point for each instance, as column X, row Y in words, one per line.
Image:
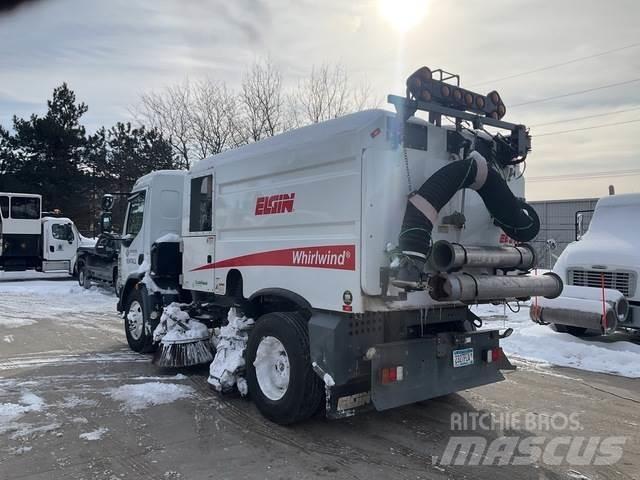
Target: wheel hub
column 272, row 368
column 135, row 322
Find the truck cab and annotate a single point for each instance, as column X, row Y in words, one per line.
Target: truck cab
column 607, row 254
column 60, row 242
column 154, row 210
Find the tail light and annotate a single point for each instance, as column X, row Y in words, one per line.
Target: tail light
column 493, row 355
column 391, row 374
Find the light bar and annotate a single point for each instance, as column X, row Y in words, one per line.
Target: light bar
column 422, row 86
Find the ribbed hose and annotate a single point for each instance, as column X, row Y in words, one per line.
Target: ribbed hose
column 516, row 218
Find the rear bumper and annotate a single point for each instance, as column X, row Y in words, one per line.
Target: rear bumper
column 428, row 367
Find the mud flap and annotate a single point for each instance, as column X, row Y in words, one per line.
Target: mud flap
column 428, row 367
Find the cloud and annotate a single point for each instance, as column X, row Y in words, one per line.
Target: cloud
column 111, row 52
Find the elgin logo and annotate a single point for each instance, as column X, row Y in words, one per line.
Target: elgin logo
column 280, row 203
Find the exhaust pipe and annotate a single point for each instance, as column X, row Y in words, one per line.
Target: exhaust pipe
column 583, row 307
column 447, row 257
column 582, row 313
column 472, row 288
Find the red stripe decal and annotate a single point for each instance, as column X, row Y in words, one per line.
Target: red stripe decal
column 337, row 257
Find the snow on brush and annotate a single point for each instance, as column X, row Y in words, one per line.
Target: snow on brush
column 541, row 344
column 226, row 369
column 136, row 397
column 170, row 328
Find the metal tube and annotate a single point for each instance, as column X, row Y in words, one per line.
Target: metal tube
column 589, row 299
column 471, row 288
column 592, row 320
column 447, row 257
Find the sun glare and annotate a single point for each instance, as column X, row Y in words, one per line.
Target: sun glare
column 403, row 15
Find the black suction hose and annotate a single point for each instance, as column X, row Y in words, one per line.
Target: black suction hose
column 516, row 217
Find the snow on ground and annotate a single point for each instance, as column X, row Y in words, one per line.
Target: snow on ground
column 95, row 434
column 10, row 412
column 539, row 343
column 27, row 298
column 143, row 395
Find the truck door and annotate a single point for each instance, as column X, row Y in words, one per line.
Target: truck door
column 132, row 250
column 198, row 238
column 60, row 242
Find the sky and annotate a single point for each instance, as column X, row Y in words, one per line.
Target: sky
column 112, row 52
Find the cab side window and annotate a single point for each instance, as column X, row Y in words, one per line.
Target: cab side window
column 62, row 231
column 201, row 204
column 135, row 214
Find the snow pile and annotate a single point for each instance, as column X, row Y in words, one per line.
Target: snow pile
column 171, row 328
column 542, row 344
column 228, row 365
column 95, row 434
column 138, row 396
column 9, row 412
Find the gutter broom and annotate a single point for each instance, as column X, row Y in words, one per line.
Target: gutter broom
column 183, row 345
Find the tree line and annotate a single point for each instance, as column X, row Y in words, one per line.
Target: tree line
column 207, row 117
column 54, row 155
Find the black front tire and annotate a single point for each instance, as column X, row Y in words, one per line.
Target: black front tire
column 83, row 277
column 305, row 391
column 139, row 335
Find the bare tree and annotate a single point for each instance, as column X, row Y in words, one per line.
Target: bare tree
column 327, row 93
column 205, row 117
column 169, row 112
column 262, row 103
column 213, row 115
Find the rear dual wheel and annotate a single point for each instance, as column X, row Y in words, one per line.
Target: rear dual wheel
column 280, row 378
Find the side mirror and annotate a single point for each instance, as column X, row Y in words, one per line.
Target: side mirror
column 127, row 240
column 107, row 202
column 105, row 222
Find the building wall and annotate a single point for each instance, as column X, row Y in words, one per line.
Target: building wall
column 557, row 221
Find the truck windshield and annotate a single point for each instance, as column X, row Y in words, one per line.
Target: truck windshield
column 135, row 214
column 25, row 208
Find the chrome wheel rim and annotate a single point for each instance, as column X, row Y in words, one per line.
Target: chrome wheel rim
column 272, row 368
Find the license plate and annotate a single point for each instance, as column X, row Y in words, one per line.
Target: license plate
column 463, row 358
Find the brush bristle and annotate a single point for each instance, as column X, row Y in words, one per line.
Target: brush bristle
column 183, row 354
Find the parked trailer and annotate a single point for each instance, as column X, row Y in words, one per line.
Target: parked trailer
column 31, row 241
column 304, row 232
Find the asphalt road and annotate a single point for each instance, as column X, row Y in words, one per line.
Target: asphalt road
column 73, row 359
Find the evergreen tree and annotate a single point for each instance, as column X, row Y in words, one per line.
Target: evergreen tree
column 52, row 155
column 47, row 153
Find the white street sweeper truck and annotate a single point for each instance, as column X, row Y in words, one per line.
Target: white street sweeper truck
column 600, row 272
column 335, row 263
column 31, row 240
